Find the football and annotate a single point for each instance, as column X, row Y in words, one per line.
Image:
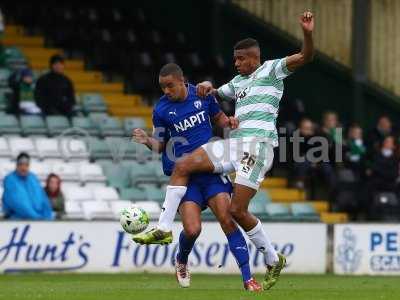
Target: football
column 134, row 219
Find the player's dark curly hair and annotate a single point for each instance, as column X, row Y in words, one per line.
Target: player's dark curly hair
column 171, row 69
column 246, row 43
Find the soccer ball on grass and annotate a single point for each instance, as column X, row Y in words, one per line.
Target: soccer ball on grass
column 134, row 219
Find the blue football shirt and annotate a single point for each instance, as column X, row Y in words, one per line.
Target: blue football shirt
column 183, row 125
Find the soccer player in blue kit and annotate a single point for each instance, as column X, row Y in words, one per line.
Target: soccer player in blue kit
column 182, row 123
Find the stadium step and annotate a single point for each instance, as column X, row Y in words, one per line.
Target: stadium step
column 13, row 30
column 99, row 87
column 84, row 76
column 286, row 195
column 40, row 53
column 274, row 182
column 320, row 206
column 23, row 41
column 119, row 98
column 333, row 218
column 70, row 64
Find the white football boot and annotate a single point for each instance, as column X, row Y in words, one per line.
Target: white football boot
column 182, row 274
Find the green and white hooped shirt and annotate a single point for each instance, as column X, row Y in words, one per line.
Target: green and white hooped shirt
column 257, row 100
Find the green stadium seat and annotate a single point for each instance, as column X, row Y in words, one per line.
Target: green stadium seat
column 93, row 103
column 33, row 125
column 117, row 174
column 86, row 125
column 57, row 125
column 14, row 56
column 277, row 212
column 143, row 153
column 305, row 212
column 99, row 149
column 3, row 101
column 4, row 75
column 142, row 173
column 133, row 194
column 98, row 117
column 111, row 127
column 9, row 125
column 132, row 123
column 155, row 194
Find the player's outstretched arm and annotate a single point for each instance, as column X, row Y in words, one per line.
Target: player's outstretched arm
column 205, row 88
column 141, row 137
column 307, row 51
column 223, row 121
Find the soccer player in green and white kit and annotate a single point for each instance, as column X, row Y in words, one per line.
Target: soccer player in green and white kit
column 257, row 91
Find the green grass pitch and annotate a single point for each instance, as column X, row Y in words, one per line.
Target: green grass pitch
column 164, row 287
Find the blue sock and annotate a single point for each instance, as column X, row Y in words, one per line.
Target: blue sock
column 185, row 247
column 238, row 247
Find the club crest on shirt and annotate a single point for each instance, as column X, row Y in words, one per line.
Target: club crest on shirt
column 243, row 93
column 197, row 104
column 172, row 113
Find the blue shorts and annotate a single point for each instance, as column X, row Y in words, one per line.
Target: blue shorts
column 203, row 186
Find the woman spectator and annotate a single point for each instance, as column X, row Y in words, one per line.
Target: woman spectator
column 53, row 190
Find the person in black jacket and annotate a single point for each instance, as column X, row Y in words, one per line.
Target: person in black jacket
column 54, row 92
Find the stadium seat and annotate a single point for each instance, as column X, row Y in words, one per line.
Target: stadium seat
column 99, row 149
column 151, row 207
column 41, row 169
column 93, row 103
column 22, row 144
column 105, row 193
column 117, row 206
column 258, row 203
column 96, row 210
column 304, row 211
column 132, row 123
column 4, row 148
column 111, row 127
column 142, row 173
column 79, row 194
column 133, row 194
column 33, row 125
column 91, row 173
column 86, row 125
column 67, row 171
column 143, row 153
column 6, row 167
column 4, row 75
column 73, row 210
column 74, row 149
column 47, row 148
column 118, row 175
column 57, row 125
column 9, row 125
column 277, row 212
column 155, row 194
column 98, row 118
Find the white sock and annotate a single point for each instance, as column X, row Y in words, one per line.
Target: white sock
column 260, row 239
column 173, row 197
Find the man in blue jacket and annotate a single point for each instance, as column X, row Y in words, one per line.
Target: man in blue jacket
column 24, row 197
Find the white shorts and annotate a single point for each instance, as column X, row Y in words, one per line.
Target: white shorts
column 250, row 159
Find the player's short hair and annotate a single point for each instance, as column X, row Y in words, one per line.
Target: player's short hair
column 171, row 69
column 246, row 44
column 56, row 58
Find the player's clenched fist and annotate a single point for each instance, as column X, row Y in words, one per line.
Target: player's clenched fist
column 140, row 136
column 233, row 122
column 204, row 88
column 307, row 21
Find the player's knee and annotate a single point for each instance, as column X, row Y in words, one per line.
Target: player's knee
column 181, row 168
column 193, row 232
column 238, row 213
column 227, row 225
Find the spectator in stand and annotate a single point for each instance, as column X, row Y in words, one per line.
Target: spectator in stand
column 53, row 191
column 24, row 197
column 303, row 166
column 375, row 138
column 355, row 151
column 384, row 170
column 54, row 92
column 22, row 85
column 331, row 130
